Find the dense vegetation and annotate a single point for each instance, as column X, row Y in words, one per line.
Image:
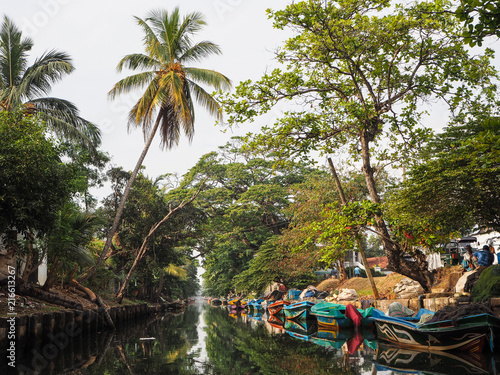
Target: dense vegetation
column 355, row 82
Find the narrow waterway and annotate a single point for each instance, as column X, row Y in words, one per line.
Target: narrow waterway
column 209, row 340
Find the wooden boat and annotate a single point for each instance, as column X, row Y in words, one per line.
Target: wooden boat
column 298, row 310
column 276, row 308
column 468, row 334
column 333, row 315
column 394, row 358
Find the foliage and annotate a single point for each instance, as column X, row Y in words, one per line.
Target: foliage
column 264, row 269
column 240, row 208
column 25, row 87
column 148, row 203
column 66, row 244
column 35, row 184
column 455, row 189
column 353, row 78
column 481, row 19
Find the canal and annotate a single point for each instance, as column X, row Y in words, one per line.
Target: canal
column 208, row 340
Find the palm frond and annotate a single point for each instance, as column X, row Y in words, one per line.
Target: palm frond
column 199, row 51
column 152, row 44
column 206, row 100
column 209, row 77
column 137, row 61
column 63, row 118
column 175, row 271
column 13, row 50
column 45, row 71
column 131, row 83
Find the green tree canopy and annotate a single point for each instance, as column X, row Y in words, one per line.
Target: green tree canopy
column 354, row 77
column 481, row 19
column 456, row 189
column 34, row 182
column 241, row 208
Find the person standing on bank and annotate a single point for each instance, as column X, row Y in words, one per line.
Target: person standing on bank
column 357, row 272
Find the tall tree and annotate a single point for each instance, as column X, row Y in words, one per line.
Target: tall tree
column 355, row 75
column 26, row 87
column 243, row 204
column 169, row 84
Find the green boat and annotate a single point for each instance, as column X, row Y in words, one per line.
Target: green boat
column 333, row 315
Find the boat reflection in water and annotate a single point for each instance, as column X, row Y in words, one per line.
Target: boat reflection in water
column 394, row 358
column 212, row 340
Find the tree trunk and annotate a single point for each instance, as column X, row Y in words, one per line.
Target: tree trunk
column 356, row 235
column 121, row 207
column 417, row 270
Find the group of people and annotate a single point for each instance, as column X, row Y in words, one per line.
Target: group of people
column 482, row 258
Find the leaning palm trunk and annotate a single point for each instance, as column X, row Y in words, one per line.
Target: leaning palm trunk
column 145, row 244
column 121, row 207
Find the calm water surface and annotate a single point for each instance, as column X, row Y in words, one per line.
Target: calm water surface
column 209, row 340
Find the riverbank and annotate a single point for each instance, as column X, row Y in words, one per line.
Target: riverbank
column 56, row 299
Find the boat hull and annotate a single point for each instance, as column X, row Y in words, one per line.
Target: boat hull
column 410, row 336
column 299, row 310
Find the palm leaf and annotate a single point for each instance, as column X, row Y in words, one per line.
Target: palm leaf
column 176, row 271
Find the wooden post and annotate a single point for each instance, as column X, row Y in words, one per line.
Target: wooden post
column 356, row 235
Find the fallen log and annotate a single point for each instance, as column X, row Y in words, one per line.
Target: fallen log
column 97, row 300
column 49, row 297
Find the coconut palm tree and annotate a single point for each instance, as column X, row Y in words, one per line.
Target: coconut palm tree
column 25, row 87
column 169, row 85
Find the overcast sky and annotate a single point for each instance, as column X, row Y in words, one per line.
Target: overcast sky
column 97, row 34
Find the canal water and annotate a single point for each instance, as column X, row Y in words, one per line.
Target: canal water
column 210, row 340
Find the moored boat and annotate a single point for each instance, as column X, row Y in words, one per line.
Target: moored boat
column 334, row 315
column 465, row 334
column 298, row 310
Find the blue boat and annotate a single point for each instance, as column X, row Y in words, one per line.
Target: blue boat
column 299, row 310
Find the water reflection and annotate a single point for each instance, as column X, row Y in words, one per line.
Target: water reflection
column 211, row 340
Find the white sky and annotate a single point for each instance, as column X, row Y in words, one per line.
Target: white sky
column 97, row 34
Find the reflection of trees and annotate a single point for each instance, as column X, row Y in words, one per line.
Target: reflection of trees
column 167, row 354
column 236, row 348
